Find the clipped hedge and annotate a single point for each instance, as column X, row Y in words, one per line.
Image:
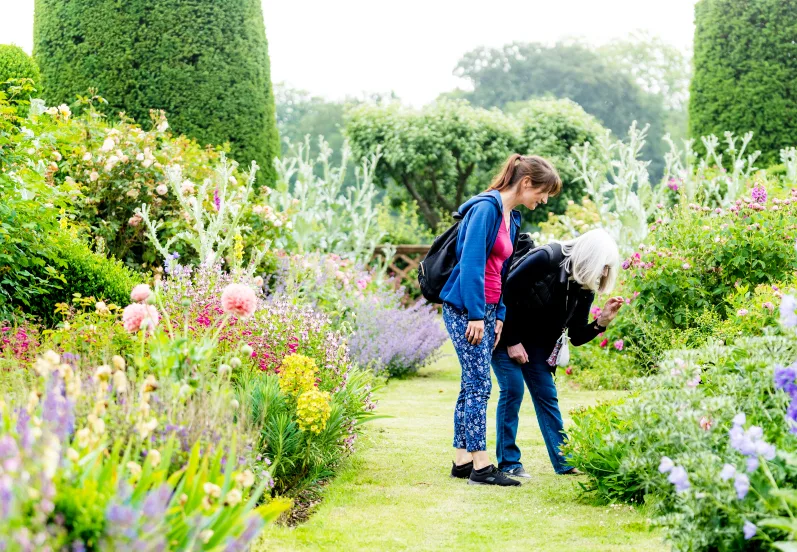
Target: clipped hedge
column 745, row 75
column 204, row 62
column 16, row 64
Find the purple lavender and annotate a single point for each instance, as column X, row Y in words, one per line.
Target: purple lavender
column 216, row 199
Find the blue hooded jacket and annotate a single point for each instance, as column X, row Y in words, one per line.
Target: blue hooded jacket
column 482, row 219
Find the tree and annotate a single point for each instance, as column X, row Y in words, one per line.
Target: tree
column 550, row 128
column 299, row 114
column 450, row 150
column 16, row 64
column 659, row 69
column 521, row 71
column 204, row 62
column 434, row 154
column 746, row 72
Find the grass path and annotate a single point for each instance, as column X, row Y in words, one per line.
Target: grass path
column 395, row 493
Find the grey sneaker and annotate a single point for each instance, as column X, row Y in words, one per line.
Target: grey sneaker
column 491, row 476
column 518, row 472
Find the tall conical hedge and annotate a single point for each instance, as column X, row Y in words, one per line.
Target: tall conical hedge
column 205, row 62
column 745, row 74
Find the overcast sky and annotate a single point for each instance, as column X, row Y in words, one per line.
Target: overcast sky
column 335, row 48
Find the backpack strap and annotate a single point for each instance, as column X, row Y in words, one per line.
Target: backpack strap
column 551, row 256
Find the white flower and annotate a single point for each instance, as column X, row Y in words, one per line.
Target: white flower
column 108, row 145
column 154, row 458
column 163, row 126
column 64, row 110
column 94, row 176
column 233, row 497
column 140, row 157
column 72, row 454
column 206, row 535
column 245, row 479
column 212, row 490
column 134, row 469
column 103, row 373
column 146, row 163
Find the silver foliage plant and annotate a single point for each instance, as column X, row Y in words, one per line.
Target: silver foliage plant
column 210, row 231
column 618, row 182
column 332, row 217
column 788, row 157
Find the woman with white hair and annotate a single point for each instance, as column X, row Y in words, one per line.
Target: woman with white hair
column 548, row 296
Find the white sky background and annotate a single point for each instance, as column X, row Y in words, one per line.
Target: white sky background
column 350, row 47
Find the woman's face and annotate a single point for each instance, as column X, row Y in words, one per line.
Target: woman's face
column 531, row 197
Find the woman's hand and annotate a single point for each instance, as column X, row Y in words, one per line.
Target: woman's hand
column 475, row 332
column 609, row 312
column 499, row 326
column 518, row 353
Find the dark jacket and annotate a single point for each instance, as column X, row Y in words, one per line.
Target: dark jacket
column 539, row 328
column 482, row 218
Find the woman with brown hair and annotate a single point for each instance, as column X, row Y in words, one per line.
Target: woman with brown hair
column 473, row 309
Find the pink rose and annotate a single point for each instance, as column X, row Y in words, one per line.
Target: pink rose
column 769, row 306
column 140, row 293
column 741, row 312
column 705, row 423
column 569, row 370
column 362, row 283
column 138, row 316
column 135, row 220
column 619, row 344
column 604, row 343
column 239, row 300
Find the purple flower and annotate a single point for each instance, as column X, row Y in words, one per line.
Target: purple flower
column 752, row 464
column 666, row 465
column 156, row 502
column 626, row 264
column 788, row 305
column 679, row 478
column 742, row 485
column 672, row 184
column 216, row 199
column 727, row 472
column 121, row 516
column 759, row 194
column 784, row 378
column 749, row 530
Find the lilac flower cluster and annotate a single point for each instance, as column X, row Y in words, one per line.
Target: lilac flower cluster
column 750, row 442
column 759, row 194
column 678, row 475
column 785, row 377
column 788, row 306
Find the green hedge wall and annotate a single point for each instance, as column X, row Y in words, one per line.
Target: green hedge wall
column 205, row 62
column 16, row 64
column 746, row 72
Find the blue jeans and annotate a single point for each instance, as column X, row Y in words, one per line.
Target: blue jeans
column 539, row 379
column 470, row 414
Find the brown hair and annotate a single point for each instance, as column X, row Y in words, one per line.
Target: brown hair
column 517, row 167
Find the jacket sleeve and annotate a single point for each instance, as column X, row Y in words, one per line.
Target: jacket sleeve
column 580, row 329
column 533, row 268
column 473, row 259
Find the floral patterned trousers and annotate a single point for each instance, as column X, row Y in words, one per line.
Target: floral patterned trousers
column 470, row 415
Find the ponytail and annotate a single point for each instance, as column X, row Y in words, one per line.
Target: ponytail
column 517, row 167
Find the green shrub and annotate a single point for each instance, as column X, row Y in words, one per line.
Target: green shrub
column 745, row 72
column 16, row 64
column 205, row 63
column 83, row 272
column 685, row 413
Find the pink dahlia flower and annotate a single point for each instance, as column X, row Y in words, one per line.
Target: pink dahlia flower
column 140, row 293
column 137, row 314
column 239, row 300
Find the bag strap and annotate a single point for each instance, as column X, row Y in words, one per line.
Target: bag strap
column 572, row 309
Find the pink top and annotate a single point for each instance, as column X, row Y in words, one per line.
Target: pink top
column 502, row 249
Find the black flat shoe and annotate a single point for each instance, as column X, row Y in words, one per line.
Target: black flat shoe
column 463, row 471
column 491, row 476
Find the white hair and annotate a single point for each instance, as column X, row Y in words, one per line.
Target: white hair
column 588, row 255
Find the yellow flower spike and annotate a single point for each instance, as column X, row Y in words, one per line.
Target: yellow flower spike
column 297, row 374
column 118, row 362
column 120, row 382
column 234, row 497
column 103, row 373
column 313, row 409
column 154, row 458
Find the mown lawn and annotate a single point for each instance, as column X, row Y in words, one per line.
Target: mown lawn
column 395, row 493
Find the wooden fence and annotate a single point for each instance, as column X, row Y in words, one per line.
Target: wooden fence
column 405, row 259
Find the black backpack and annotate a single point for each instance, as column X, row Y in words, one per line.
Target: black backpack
column 436, row 267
